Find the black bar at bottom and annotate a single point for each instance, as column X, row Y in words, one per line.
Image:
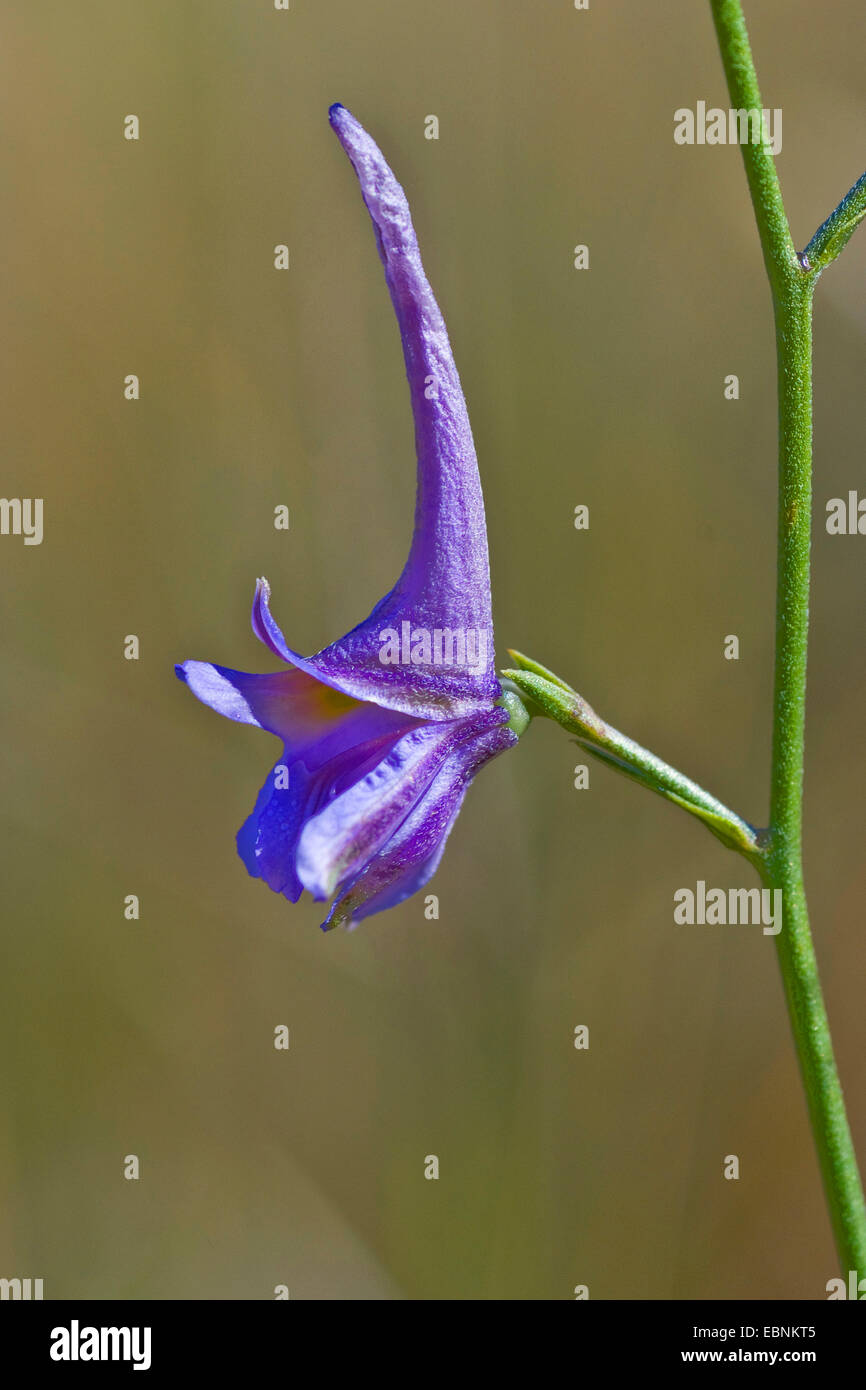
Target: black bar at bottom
column 67, row 1338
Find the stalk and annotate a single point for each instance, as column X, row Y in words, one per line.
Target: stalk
column 792, row 280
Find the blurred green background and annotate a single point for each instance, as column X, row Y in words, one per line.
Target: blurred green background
column 602, row 387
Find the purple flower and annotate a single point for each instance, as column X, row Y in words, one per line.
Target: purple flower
column 384, row 729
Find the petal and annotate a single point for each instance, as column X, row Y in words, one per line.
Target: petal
column 266, row 700
column 447, row 579
column 315, row 721
column 410, row 858
column 267, row 839
column 445, row 585
column 293, row 793
column 342, row 838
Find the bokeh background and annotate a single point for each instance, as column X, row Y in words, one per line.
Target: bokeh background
column 258, row 387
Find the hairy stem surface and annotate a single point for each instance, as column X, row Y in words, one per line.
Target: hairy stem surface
column 792, row 280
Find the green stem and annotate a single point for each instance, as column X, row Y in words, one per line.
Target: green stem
column 792, row 281
column 549, row 695
column 780, row 257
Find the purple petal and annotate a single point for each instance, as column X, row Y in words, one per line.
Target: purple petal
column 315, row 721
column 445, row 585
column 352, row 827
column 410, row 858
column 294, row 792
column 267, row 839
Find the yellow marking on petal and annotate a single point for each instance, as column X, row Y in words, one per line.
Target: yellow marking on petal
column 327, row 702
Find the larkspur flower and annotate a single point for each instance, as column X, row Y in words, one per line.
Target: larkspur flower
column 384, row 729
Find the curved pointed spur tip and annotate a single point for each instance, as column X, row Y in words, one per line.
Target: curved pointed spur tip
column 385, row 199
column 348, row 128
